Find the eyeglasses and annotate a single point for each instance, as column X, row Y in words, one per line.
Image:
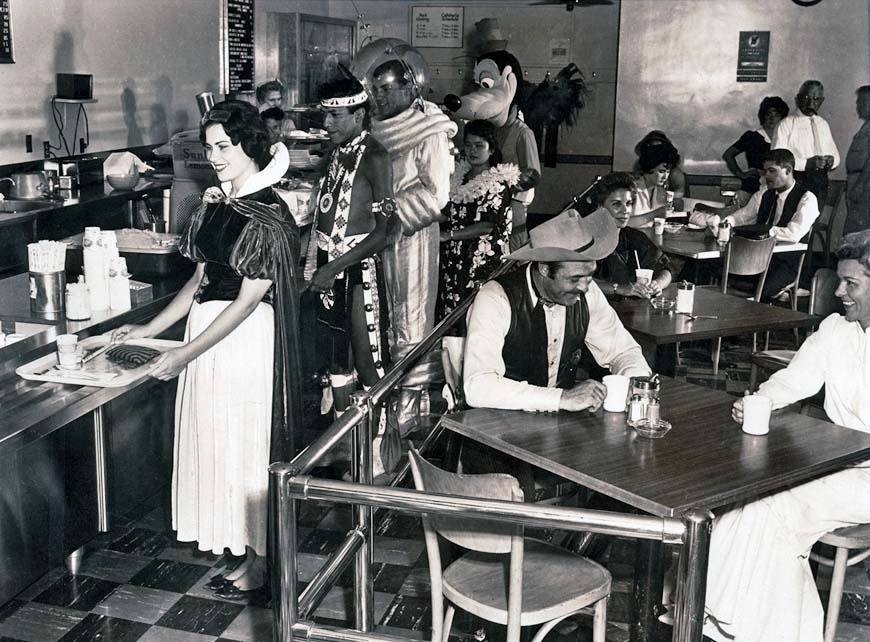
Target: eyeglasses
column 214, row 116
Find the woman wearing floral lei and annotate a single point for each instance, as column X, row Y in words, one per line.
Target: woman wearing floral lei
column 477, row 229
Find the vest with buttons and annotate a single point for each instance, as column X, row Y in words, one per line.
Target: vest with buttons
column 767, row 207
column 525, row 346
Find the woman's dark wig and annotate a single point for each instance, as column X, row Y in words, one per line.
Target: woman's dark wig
column 242, row 123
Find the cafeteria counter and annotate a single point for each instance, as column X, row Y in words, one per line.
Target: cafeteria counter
column 73, row 459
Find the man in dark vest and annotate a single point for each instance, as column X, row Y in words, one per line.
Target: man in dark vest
column 528, row 329
column 787, row 207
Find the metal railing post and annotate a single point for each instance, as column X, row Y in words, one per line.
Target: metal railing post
column 282, row 552
column 692, row 578
column 364, row 604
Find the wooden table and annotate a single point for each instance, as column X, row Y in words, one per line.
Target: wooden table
column 696, row 244
column 653, row 329
column 706, row 462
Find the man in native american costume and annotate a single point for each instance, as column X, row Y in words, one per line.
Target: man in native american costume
column 343, row 272
column 417, row 136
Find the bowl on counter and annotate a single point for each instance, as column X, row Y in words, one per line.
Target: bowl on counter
column 652, row 430
column 123, row 181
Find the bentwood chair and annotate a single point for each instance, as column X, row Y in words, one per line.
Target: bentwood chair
column 822, row 303
column 843, row 540
column 504, row 577
column 823, row 228
column 744, row 257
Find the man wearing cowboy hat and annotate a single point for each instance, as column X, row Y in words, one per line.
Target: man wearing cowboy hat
column 527, row 329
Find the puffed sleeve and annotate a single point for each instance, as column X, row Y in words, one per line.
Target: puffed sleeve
column 265, row 241
column 187, row 242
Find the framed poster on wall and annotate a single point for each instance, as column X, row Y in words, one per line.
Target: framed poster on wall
column 6, row 53
column 433, row 26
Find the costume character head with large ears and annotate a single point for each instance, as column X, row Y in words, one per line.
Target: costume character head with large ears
column 497, row 75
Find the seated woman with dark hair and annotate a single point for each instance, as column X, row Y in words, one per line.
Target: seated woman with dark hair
column 634, row 250
column 477, row 228
column 651, row 186
column 677, row 182
column 754, row 145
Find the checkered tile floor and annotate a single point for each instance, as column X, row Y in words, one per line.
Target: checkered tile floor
column 137, row 583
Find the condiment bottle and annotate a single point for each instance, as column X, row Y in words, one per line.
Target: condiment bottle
column 724, row 232
column 77, row 304
column 653, row 412
column 685, row 297
column 636, row 409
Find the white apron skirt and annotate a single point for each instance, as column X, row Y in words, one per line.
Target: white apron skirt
column 223, row 413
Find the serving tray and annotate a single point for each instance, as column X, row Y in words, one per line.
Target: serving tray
column 99, row 372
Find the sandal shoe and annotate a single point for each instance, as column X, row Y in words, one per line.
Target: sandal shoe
column 256, row 597
column 216, row 582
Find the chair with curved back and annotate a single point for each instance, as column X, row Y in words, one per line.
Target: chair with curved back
column 843, row 540
column 823, row 228
column 504, row 578
column 822, row 303
column 744, row 257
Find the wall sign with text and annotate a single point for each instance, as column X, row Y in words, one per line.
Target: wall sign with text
column 237, row 46
column 437, row 26
column 752, row 54
column 6, row 54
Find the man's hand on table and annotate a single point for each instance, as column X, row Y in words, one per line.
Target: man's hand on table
column 588, row 395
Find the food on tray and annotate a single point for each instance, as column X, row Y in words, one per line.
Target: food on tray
column 131, row 356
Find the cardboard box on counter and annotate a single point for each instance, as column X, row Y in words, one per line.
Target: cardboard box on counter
column 140, row 292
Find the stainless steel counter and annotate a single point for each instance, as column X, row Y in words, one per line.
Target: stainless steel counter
column 72, row 456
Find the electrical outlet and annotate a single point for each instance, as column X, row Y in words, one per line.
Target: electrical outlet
column 46, row 149
column 28, row 144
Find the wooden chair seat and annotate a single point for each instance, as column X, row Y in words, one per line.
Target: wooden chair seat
column 556, row 583
column 849, row 537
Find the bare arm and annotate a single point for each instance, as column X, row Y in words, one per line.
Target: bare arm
column 172, row 362
column 376, row 169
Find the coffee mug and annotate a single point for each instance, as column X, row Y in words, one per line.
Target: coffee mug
column 617, row 392
column 756, row 415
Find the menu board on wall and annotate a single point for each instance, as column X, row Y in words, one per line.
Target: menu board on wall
column 6, row 54
column 238, row 46
column 436, row 26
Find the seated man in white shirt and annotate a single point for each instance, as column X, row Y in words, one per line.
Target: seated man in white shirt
column 528, row 329
column 759, row 585
column 787, row 207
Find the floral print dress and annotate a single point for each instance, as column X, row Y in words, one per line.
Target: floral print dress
column 482, row 198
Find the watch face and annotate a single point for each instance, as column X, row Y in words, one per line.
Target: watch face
column 388, row 207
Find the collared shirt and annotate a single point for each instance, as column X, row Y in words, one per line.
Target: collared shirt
column 798, row 227
column 837, row 356
column 488, row 325
column 795, row 133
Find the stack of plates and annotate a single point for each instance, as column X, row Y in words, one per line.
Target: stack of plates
column 300, row 158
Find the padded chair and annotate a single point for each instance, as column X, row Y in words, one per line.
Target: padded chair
column 823, row 228
column 822, row 303
column 843, row 540
column 504, row 578
column 744, row 257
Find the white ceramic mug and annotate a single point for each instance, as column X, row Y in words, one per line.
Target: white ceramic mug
column 756, row 415
column 68, row 353
column 617, row 392
column 643, row 276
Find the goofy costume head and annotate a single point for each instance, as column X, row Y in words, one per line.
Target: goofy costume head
column 497, row 75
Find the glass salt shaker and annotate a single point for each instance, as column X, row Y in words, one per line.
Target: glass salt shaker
column 685, row 297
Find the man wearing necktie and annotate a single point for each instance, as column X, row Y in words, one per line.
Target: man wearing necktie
column 808, row 136
column 787, row 207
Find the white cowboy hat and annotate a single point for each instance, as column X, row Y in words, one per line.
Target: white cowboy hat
column 571, row 237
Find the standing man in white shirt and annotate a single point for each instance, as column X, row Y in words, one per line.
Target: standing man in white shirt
column 808, row 136
column 788, row 207
column 527, row 329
